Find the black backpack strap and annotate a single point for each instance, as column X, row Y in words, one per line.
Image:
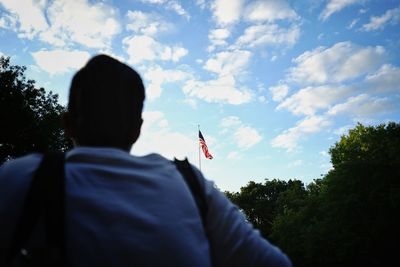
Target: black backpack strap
column 196, row 188
column 198, row 193
column 45, row 198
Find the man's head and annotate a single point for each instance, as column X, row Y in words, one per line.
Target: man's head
column 105, row 104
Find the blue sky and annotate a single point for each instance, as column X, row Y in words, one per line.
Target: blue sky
column 272, row 83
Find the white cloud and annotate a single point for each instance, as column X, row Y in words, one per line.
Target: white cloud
column 3, row 23
column 269, row 10
column 221, row 90
column 391, row 16
column 145, row 48
column 92, row 25
column 230, row 121
column 362, row 106
column 289, row 138
column 343, row 130
column 191, row 102
column 60, row 61
column 226, row 63
column 224, row 88
column 262, row 99
column 217, row 38
column 169, row 5
column 174, row 53
column 243, row 135
column 341, row 62
column 146, row 23
column 261, row 87
column 220, row 34
column 279, row 92
column 271, row 34
column 175, row 6
column 63, row 22
column 353, row 23
column 312, row 124
column 246, row 137
column 326, row 167
column 362, row 11
column 296, row 163
column 157, row 137
column 141, row 48
column 234, row 155
column 323, row 153
column 227, row 11
column 326, row 70
column 152, row 118
column 334, row 6
column 157, row 77
column 153, row 91
column 153, row 1
column 309, row 100
column 201, row 3
column 29, row 14
column 386, row 79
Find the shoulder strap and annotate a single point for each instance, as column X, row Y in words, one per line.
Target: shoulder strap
column 194, row 185
column 45, row 198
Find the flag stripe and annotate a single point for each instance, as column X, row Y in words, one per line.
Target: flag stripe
column 204, row 147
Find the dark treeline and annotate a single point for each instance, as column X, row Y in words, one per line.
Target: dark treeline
column 350, row 217
column 30, row 118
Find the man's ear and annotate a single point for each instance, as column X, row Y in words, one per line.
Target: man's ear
column 68, row 126
column 136, row 131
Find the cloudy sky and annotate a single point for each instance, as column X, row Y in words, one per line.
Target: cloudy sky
column 272, row 83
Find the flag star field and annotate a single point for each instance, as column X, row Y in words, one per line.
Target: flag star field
column 273, row 84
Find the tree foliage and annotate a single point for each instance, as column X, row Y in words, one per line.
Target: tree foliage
column 259, row 202
column 350, row 217
column 378, row 144
column 30, row 117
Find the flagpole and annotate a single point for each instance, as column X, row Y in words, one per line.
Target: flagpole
column 198, row 128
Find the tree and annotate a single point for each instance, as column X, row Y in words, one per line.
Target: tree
column 362, row 197
column 261, row 203
column 30, row 117
column 379, row 144
column 350, row 217
column 294, row 224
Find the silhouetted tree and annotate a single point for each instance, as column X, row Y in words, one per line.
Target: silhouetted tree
column 260, row 201
column 30, row 118
column 362, row 197
column 379, row 144
column 350, row 217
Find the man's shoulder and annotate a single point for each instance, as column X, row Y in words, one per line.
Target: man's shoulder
column 82, row 152
column 152, row 159
column 26, row 164
column 155, row 156
column 15, row 177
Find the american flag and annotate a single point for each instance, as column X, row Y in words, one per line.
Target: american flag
column 204, row 146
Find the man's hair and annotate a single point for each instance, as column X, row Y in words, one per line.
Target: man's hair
column 105, row 103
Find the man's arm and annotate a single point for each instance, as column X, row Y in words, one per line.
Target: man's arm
column 15, row 178
column 233, row 240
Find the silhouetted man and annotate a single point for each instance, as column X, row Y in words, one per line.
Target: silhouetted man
column 123, row 210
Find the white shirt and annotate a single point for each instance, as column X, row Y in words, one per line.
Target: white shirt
column 123, row 210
